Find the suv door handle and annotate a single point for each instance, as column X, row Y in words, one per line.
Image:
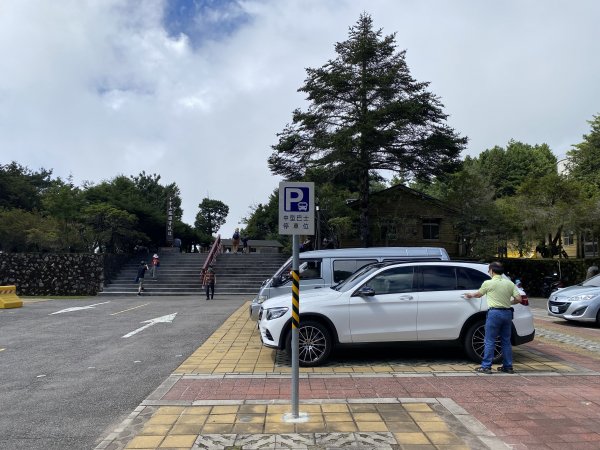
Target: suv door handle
column 406, row 297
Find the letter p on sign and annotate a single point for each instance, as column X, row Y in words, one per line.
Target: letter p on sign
column 294, row 196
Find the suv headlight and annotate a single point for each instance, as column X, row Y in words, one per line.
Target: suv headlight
column 261, row 298
column 275, row 313
column 581, row 298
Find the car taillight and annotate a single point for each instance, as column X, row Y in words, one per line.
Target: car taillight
column 524, row 300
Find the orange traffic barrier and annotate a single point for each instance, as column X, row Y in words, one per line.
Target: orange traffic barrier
column 9, row 297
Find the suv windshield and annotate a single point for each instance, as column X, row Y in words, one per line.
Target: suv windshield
column 357, row 277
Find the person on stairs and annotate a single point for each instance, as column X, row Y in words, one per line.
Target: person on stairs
column 154, row 266
column 235, row 241
column 140, row 276
column 208, row 282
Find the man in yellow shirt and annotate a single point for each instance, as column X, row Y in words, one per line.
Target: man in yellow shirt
column 500, row 293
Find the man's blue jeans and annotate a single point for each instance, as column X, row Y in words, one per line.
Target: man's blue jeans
column 498, row 324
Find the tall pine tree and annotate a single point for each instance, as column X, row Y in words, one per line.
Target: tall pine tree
column 366, row 113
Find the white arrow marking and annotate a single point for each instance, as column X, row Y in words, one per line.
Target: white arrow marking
column 164, row 319
column 77, row 308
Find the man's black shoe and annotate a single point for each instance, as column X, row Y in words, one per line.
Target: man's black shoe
column 505, row 369
column 486, row 370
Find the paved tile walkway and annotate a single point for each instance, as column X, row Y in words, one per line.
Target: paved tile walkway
column 232, row 393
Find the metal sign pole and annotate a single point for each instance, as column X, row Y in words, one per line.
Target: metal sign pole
column 295, row 323
column 296, row 217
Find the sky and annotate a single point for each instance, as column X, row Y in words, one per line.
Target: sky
column 197, row 90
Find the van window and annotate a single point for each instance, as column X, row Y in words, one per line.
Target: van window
column 393, row 281
column 438, row 278
column 343, row 268
column 311, row 269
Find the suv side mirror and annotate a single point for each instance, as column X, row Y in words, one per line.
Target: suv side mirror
column 280, row 280
column 364, row 291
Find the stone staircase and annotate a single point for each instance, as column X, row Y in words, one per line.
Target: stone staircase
column 179, row 274
column 243, row 274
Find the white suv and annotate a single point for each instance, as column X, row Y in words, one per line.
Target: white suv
column 397, row 302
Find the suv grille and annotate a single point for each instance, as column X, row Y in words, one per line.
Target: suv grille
column 562, row 306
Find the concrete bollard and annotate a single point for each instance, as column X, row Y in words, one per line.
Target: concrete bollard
column 9, row 297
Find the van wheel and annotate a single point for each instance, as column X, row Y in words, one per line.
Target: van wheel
column 314, row 344
column 474, row 343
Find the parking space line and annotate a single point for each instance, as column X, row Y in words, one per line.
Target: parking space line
column 35, row 300
column 125, row 310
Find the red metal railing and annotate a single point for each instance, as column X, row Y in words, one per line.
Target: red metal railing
column 212, row 254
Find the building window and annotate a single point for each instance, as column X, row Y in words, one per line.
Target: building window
column 569, row 238
column 431, row 229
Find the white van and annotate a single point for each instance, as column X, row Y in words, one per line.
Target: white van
column 325, row 268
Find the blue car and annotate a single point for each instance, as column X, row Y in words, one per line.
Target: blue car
column 579, row 303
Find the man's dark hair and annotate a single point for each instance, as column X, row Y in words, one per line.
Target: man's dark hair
column 497, row 267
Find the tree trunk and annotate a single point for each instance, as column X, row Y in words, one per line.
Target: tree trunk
column 365, row 232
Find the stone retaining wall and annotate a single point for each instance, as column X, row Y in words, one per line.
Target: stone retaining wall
column 58, row 274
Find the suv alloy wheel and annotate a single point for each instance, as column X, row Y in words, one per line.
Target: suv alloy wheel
column 314, row 343
column 474, row 343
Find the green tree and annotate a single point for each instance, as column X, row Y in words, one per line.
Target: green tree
column 337, row 220
column 476, row 218
column 507, row 168
column 21, row 187
column 550, row 205
column 366, row 114
column 64, row 202
column 112, row 230
column 584, row 158
column 263, row 220
column 143, row 197
column 211, row 217
column 25, row 231
column 158, row 195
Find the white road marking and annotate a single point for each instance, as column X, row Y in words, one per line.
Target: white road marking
column 164, row 319
column 77, row 308
column 125, row 310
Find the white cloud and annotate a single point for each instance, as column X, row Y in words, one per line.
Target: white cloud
column 99, row 88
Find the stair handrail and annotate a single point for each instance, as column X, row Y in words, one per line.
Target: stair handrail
column 212, row 254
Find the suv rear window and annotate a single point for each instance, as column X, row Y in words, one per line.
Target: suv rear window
column 438, row 278
column 448, row 278
column 470, row 279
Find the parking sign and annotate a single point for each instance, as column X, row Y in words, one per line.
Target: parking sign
column 296, row 208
